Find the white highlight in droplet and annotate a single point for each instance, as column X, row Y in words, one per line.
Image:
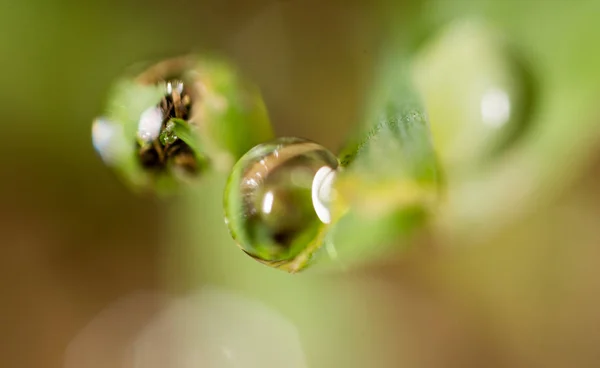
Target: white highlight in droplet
column 150, row 124
column 495, row 107
column 180, row 87
column 251, row 183
column 102, row 133
column 268, row 202
column 321, row 192
column 108, row 139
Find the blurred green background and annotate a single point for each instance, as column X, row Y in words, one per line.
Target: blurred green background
column 506, row 277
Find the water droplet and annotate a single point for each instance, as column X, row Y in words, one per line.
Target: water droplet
column 168, row 136
column 476, row 91
column 166, row 124
column 148, row 135
column 277, row 201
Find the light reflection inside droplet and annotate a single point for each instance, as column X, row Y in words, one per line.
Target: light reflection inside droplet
column 495, row 107
column 102, row 133
column 267, row 205
column 321, row 192
column 150, row 124
column 108, row 139
column 251, row 182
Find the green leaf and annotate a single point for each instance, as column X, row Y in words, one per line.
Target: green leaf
column 391, row 178
column 183, row 131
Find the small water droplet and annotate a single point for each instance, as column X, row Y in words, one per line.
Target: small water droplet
column 476, row 89
column 168, row 136
column 165, row 124
column 277, row 200
column 140, row 139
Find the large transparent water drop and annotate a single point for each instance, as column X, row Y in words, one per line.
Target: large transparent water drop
column 277, row 201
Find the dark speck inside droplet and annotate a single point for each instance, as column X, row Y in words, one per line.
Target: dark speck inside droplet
column 149, row 157
column 284, row 238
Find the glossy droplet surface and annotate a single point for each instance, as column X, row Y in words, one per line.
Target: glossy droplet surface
column 277, row 200
column 166, row 124
column 138, row 136
column 477, row 91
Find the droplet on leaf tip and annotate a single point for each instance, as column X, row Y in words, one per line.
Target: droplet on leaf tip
column 277, row 201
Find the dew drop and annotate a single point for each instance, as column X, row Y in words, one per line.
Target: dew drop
column 476, row 89
column 277, row 201
column 140, row 137
column 166, row 124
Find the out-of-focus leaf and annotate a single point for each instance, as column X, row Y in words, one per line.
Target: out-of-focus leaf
column 391, row 179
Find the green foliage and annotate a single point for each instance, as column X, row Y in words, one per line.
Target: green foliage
column 391, row 179
column 183, row 131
